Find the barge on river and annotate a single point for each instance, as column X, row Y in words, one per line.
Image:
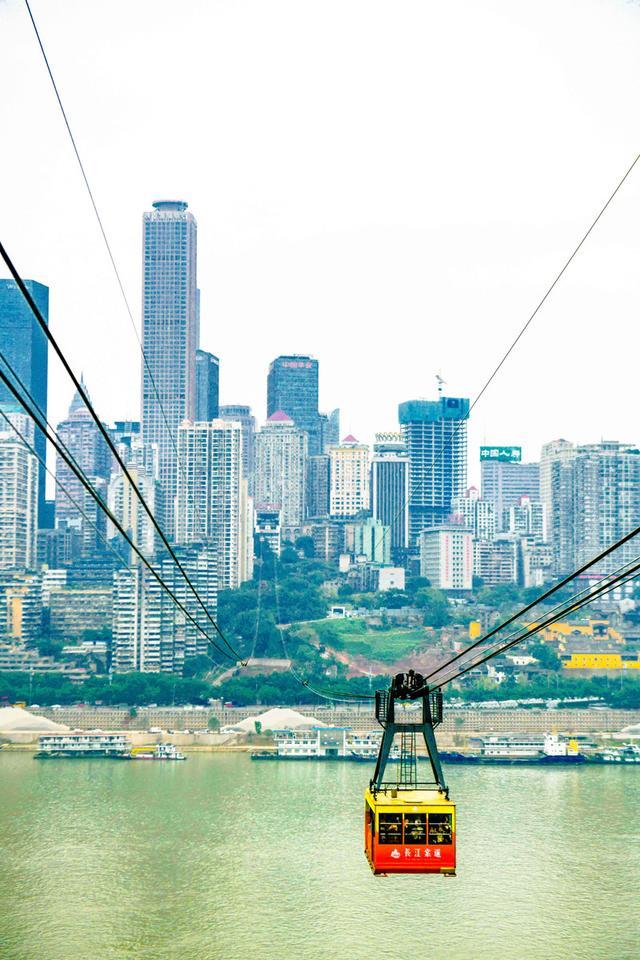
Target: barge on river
column 546, row 749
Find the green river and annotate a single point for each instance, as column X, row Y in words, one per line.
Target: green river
column 221, row 857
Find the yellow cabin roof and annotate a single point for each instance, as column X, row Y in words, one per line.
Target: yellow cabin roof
column 405, row 799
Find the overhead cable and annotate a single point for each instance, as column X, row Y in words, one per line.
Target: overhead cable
column 534, row 629
column 107, row 438
column 60, row 449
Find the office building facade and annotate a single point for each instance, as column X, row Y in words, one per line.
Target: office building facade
column 446, row 556
column 318, row 486
column 292, row 386
column 207, row 386
column 390, row 490
column 75, row 508
column 435, row 434
column 25, row 348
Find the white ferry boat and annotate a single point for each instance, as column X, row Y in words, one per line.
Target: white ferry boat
column 324, row 743
column 158, row 751
column 84, row 744
column 365, row 747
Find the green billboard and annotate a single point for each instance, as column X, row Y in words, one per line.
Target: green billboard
column 501, row 454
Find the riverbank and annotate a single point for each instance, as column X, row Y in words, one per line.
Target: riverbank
column 359, row 717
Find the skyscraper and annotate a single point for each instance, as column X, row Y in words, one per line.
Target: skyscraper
column 348, row 478
column 281, row 468
column 169, row 337
column 318, row 486
column 210, row 501
column 505, row 479
column 292, row 386
column 242, row 415
column 390, row 490
column 25, row 347
column 435, row 432
column 329, row 429
column 207, row 385
column 82, row 438
column 18, row 495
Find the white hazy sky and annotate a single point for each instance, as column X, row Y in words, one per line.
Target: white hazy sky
column 389, row 186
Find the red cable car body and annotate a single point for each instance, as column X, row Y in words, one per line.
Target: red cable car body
column 410, row 831
column 410, row 826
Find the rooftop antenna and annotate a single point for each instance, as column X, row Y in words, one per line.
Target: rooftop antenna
column 440, row 383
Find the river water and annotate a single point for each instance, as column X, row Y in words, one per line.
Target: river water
column 220, row 857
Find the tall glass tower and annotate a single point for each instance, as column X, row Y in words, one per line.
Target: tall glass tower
column 24, row 346
column 390, row 490
column 292, row 387
column 169, row 337
column 207, row 385
column 435, row 433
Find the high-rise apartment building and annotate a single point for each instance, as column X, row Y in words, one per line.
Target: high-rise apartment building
column 555, row 452
column 207, row 386
column 20, row 605
column 126, row 506
column 150, row 632
column 169, row 336
column 84, row 442
column 292, row 386
column 211, row 502
column 18, row 495
column 476, row 514
column 281, row 468
column 24, row 345
column 495, row 562
column 435, row 432
column 606, row 503
column 390, row 490
column 594, row 496
column 505, row 479
column 349, row 478
column 242, row 415
column 527, row 519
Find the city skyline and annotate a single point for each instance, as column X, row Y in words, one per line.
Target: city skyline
column 333, row 255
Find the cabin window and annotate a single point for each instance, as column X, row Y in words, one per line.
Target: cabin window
column 440, row 828
column 390, row 828
column 415, row 828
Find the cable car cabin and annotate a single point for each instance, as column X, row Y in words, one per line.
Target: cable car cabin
column 410, row 831
column 410, row 826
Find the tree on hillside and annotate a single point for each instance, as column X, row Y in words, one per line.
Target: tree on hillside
column 306, row 546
